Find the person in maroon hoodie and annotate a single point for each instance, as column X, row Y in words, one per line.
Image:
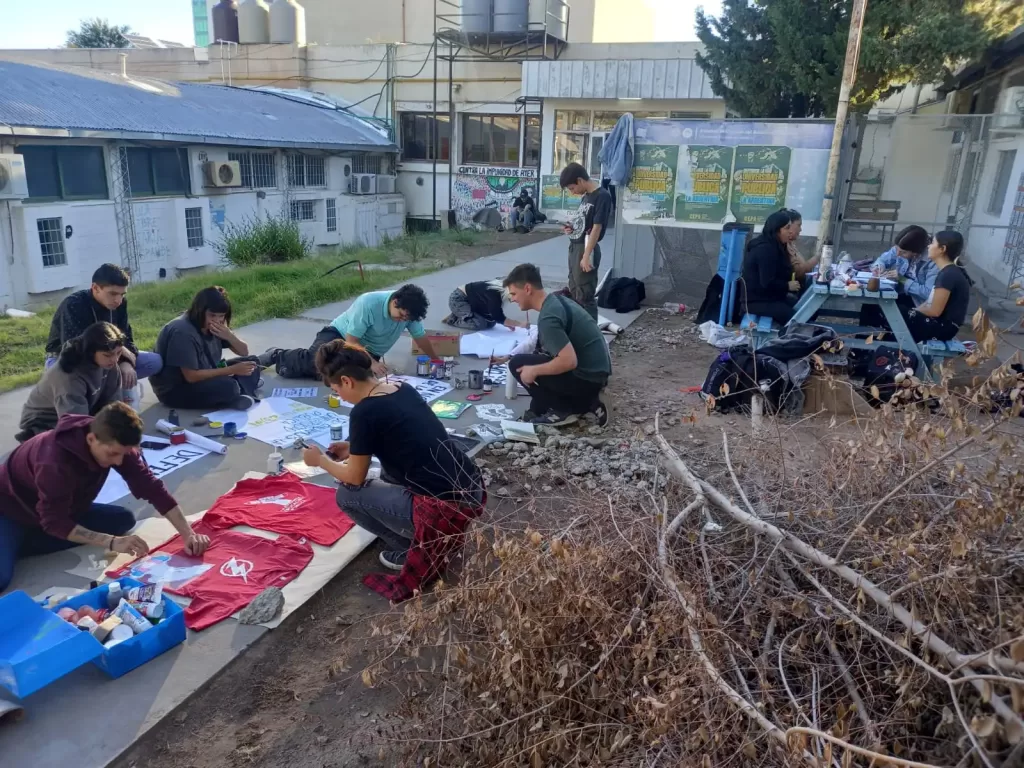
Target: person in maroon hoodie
column 49, row 484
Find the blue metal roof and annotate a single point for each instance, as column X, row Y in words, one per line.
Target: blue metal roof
column 44, row 100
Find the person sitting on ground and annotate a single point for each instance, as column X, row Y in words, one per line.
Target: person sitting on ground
column 568, row 380
column 585, row 230
column 801, row 266
column 84, row 380
column 49, row 484
column 524, row 212
column 478, row 306
column 104, row 301
column 768, row 286
column 392, row 422
column 192, row 346
column 941, row 316
column 374, row 321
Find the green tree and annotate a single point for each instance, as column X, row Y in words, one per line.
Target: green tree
column 784, row 58
column 98, row 33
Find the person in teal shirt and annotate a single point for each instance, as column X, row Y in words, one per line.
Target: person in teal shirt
column 374, row 321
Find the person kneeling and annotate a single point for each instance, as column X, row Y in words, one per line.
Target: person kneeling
column 419, row 461
column 570, row 382
column 477, row 307
column 192, row 346
column 48, row 489
column 85, row 379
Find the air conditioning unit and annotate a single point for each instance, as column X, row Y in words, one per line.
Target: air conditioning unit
column 346, row 167
column 386, row 185
column 363, row 184
column 1010, row 109
column 222, row 173
column 13, row 185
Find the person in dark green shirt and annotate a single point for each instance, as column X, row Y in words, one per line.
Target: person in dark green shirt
column 567, row 381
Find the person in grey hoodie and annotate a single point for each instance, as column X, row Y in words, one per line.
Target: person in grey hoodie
column 84, row 380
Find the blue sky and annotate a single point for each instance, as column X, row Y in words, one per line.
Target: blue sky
column 44, row 23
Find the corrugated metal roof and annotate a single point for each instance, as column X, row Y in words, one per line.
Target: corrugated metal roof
column 56, row 101
column 616, row 79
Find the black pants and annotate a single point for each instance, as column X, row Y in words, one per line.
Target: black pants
column 583, row 285
column 565, row 393
column 301, row 363
column 872, row 315
column 780, row 311
column 924, row 328
column 219, row 392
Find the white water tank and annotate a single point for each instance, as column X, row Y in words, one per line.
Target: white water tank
column 510, row 16
column 253, row 22
column 476, row 17
column 287, row 22
column 550, row 13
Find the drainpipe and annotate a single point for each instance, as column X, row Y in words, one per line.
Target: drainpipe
column 124, row 65
column 404, row 40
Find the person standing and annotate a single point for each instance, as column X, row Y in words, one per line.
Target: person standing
column 84, row 380
column 103, row 301
column 585, row 231
column 192, row 346
column 49, row 485
column 568, row 381
column 374, row 321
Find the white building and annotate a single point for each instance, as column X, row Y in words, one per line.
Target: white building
column 109, row 168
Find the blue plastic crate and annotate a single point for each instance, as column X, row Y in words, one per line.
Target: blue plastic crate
column 126, row 656
column 37, row 646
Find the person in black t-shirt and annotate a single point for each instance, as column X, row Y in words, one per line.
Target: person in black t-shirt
column 585, row 231
column 941, row 316
column 478, row 306
column 524, row 212
column 393, row 423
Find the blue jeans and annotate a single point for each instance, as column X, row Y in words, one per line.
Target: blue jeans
column 146, row 364
column 17, row 540
column 524, row 218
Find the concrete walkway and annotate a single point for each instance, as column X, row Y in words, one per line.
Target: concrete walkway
column 86, row 719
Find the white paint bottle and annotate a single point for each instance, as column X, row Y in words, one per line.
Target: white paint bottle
column 275, row 463
column 511, row 387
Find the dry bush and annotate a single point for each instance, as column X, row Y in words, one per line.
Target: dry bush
column 862, row 604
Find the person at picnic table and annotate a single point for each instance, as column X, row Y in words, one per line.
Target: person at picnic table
column 908, row 266
column 192, row 346
column 478, row 306
column 568, row 380
column 49, row 485
column 418, row 459
column 941, row 316
column 801, row 266
column 103, row 300
column 769, row 285
column 84, row 380
column 374, row 322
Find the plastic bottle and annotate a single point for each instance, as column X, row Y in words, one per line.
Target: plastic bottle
column 511, row 387
column 275, row 463
column 826, row 262
column 172, row 416
column 114, row 594
column 674, row 308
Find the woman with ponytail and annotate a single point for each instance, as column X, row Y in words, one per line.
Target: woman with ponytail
column 941, row 316
column 419, row 462
column 84, row 380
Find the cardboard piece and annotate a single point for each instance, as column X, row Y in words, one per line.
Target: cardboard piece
column 445, row 344
column 836, row 396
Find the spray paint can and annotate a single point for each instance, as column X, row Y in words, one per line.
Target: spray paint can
column 511, row 387
column 172, row 416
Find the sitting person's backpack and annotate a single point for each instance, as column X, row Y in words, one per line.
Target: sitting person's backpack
column 623, row 294
column 878, row 368
column 737, row 374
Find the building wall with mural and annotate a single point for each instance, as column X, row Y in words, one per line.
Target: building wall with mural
column 477, row 187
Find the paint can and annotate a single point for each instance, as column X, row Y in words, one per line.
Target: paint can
column 449, row 367
column 333, row 400
column 422, row 365
column 230, row 429
column 337, row 433
column 476, row 379
column 488, row 385
column 437, row 369
column 178, row 437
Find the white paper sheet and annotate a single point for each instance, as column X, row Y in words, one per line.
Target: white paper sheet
column 499, row 340
column 494, row 412
column 429, row 389
column 278, row 421
column 161, row 463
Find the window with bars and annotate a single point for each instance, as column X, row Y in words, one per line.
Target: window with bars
column 258, row 169
column 51, row 242
column 303, row 210
column 194, row 227
column 332, row 214
column 306, row 170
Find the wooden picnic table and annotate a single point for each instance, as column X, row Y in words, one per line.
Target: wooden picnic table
column 823, row 297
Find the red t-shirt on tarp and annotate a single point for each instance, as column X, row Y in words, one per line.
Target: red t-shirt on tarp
column 238, row 567
column 281, row 504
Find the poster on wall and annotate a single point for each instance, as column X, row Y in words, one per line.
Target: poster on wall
column 702, row 188
column 727, row 171
column 482, row 187
column 759, row 180
column 654, row 179
column 551, row 197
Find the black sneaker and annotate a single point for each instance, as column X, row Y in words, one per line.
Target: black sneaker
column 243, row 403
column 392, row 559
column 269, row 358
column 528, row 415
column 260, row 383
column 600, row 414
column 555, row 419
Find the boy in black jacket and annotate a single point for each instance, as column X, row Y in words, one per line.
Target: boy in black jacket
column 103, row 301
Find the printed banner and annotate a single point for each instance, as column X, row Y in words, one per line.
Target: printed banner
column 551, row 194
column 654, row 180
column 702, row 191
column 759, row 179
column 161, row 462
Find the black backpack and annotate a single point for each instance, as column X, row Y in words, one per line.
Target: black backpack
column 623, row 294
column 737, row 373
column 878, row 368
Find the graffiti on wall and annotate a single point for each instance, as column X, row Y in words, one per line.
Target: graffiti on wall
column 489, row 188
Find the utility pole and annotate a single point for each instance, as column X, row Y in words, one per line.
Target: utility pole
column 849, row 76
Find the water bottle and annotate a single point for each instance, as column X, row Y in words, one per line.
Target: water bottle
column 673, row 308
column 826, row 262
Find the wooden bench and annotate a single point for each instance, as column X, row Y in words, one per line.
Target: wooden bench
column 761, row 328
column 873, row 215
